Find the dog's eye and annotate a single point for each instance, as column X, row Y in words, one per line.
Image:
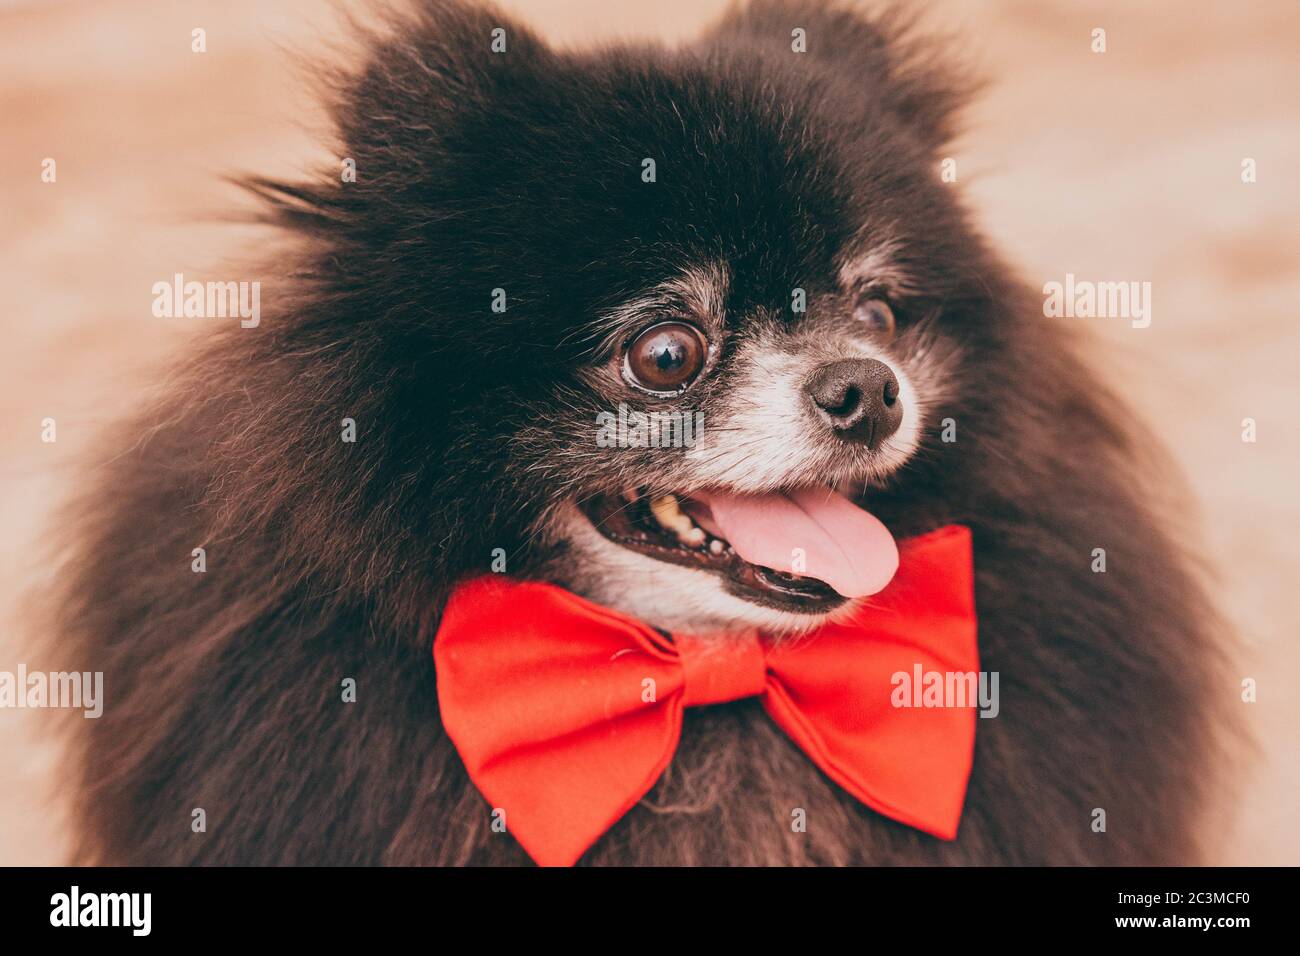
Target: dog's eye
column 665, row 357
column 876, row 317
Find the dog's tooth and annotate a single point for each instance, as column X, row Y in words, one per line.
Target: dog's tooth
column 664, row 508
column 668, row 513
column 716, row 546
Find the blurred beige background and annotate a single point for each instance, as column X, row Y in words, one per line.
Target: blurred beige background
column 1118, row 166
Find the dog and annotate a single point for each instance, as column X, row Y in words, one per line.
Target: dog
column 749, row 231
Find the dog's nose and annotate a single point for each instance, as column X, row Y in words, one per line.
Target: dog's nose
column 858, row 398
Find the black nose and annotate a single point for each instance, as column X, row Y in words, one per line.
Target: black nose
column 858, row 398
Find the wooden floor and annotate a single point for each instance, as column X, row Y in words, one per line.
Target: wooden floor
column 1116, row 166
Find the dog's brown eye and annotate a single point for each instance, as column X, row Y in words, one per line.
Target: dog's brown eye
column 666, row 357
column 876, row 316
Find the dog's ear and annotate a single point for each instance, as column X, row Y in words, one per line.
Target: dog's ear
column 881, row 51
column 415, row 85
column 426, row 66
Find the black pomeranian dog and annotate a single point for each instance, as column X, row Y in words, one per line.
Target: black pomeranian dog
column 752, row 229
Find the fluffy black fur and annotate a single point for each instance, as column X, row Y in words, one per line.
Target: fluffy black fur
column 329, row 560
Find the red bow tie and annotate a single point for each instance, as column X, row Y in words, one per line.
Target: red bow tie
column 566, row 713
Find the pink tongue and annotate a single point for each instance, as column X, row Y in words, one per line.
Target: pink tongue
column 844, row 546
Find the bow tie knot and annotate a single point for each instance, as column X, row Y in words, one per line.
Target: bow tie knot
column 721, row 669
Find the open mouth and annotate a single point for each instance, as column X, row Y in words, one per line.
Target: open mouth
column 807, row 550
